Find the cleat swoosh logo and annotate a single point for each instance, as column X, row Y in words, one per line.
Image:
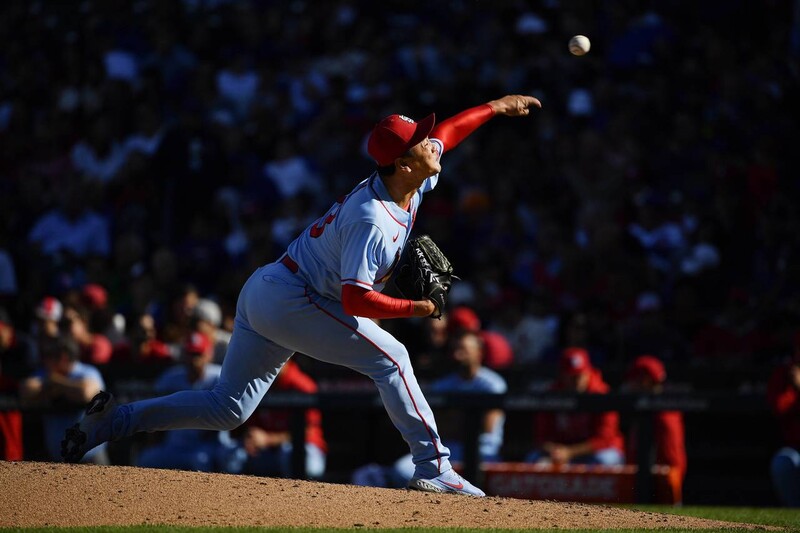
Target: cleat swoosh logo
column 458, row 486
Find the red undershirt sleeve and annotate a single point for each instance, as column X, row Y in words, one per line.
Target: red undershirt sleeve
column 358, row 301
column 457, row 128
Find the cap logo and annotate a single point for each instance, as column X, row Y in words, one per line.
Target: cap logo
column 403, row 117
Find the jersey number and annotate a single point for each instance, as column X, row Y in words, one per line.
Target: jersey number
column 319, row 226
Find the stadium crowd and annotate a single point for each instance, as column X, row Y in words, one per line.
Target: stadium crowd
column 153, row 153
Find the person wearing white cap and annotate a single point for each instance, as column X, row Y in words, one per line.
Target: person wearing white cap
column 48, row 312
column 207, row 320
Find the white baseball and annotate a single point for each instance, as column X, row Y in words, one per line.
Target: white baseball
column 579, row 45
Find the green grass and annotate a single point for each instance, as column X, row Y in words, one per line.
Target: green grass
column 787, row 518
column 751, row 515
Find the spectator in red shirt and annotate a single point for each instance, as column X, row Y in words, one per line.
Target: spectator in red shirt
column 578, row 437
column 16, row 364
column 95, row 347
column 143, row 355
column 498, row 354
column 783, row 395
column 648, row 375
column 267, row 438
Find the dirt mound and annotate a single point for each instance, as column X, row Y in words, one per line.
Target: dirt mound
column 52, row 494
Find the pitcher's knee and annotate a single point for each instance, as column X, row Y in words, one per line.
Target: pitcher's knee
column 396, row 360
column 785, row 461
column 228, row 414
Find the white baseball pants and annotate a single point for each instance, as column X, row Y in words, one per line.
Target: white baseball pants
column 277, row 315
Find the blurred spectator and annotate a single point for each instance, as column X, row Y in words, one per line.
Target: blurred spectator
column 291, row 172
column 783, row 394
column 531, row 327
column 647, row 331
column 735, row 335
column 8, row 276
column 147, row 137
column 176, row 317
column 192, row 449
column 11, row 442
column 267, row 439
column 238, row 84
column 102, row 318
column 18, row 354
column 94, row 296
column 661, row 239
column 71, row 229
column 64, row 385
column 16, row 363
column 497, row 352
column 100, row 156
column 578, row 437
column 208, row 319
column 647, row 375
column 292, row 218
column 702, row 256
column 466, row 350
column 429, row 348
column 189, row 158
column 145, row 355
column 49, row 313
column 95, row 348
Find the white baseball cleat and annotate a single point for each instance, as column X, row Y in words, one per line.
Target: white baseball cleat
column 449, row 481
column 93, row 429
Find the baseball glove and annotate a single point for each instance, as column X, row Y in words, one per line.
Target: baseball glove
column 423, row 272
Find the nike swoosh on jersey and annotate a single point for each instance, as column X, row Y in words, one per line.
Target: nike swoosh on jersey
column 394, row 239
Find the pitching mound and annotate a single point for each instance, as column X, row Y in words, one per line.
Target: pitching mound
column 51, row 494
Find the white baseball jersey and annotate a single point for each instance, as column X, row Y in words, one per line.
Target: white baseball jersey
column 359, row 240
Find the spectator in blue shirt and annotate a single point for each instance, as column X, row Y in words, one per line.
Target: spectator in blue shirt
column 65, row 385
column 470, row 377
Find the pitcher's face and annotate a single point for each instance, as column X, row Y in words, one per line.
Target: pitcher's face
column 423, row 158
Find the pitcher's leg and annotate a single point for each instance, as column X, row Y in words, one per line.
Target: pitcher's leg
column 360, row 344
column 785, row 472
column 405, row 404
column 249, row 368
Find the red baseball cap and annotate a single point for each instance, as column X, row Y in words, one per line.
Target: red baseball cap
column 462, row 317
column 575, row 361
column 497, row 351
column 95, row 295
column 395, row 135
column 648, row 365
column 197, row 343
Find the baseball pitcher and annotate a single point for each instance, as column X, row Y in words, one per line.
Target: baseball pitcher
column 318, row 299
